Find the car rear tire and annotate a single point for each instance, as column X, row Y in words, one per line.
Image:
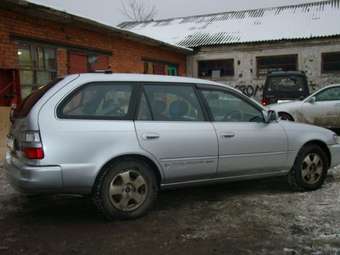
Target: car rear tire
column 310, row 169
column 285, row 116
column 125, row 190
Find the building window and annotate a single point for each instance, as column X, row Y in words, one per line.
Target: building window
column 216, row 68
column 38, row 66
column 276, row 63
column 84, row 62
column 156, row 67
column 330, row 62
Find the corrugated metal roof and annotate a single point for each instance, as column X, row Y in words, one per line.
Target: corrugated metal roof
column 304, row 21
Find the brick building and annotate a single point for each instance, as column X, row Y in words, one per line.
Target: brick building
column 38, row 43
column 238, row 48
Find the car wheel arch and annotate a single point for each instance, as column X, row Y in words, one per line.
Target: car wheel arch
column 128, row 157
column 291, row 118
column 323, row 147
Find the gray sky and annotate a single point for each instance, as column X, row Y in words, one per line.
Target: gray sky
column 109, row 11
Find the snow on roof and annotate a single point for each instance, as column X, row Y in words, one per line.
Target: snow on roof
column 304, row 21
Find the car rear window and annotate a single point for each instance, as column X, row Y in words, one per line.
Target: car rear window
column 33, row 98
column 100, row 100
column 286, row 84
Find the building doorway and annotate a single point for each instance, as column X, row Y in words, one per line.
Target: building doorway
column 9, row 87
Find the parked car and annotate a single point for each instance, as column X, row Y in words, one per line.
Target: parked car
column 322, row 108
column 284, row 86
column 122, row 137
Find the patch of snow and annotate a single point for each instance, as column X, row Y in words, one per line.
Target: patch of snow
column 293, row 22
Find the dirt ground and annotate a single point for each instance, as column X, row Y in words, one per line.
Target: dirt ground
column 253, row 217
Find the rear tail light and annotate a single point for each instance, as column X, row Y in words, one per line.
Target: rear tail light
column 31, row 145
column 33, row 153
column 265, row 102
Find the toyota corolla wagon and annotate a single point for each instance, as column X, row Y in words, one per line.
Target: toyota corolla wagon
column 123, row 137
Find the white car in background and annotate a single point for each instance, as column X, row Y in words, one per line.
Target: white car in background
column 322, row 108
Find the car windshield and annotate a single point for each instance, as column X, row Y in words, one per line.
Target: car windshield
column 286, row 84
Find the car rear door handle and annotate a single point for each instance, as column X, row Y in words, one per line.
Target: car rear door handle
column 151, row 136
column 228, row 135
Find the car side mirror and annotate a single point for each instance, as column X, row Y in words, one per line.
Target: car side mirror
column 270, row 116
column 312, row 100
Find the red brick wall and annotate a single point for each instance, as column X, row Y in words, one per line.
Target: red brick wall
column 126, row 54
column 130, row 53
column 62, row 61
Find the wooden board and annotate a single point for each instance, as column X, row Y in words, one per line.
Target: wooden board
column 4, row 127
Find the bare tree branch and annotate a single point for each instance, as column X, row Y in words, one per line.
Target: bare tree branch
column 137, row 10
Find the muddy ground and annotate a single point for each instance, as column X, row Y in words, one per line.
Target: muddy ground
column 252, row 217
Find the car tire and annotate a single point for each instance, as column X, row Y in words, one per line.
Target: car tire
column 125, row 190
column 285, row 116
column 309, row 170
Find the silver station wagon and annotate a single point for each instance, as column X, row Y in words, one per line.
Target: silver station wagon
column 123, row 137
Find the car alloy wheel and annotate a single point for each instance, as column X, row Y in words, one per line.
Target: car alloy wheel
column 128, row 190
column 312, row 168
column 125, row 189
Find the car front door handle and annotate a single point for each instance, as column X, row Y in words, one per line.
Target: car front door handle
column 228, row 135
column 150, row 136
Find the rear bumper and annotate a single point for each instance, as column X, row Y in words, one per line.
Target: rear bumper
column 33, row 179
column 335, row 155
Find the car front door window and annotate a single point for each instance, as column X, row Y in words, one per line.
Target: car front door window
column 227, row 107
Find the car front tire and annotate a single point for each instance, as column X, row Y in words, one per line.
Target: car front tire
column 125, row 190
column 310, row 169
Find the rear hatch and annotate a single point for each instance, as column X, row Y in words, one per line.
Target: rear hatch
column 24, row 132
column 285, row 87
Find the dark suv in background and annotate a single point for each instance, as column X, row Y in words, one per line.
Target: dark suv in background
column 285, row 86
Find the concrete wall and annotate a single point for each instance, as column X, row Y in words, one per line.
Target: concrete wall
column 309, row 60
column 4, row 127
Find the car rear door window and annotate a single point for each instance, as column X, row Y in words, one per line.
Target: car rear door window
column 170, row 103
column 227, row 107
column 99, row 101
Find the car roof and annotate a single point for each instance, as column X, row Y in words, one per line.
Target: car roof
column 146, row 78
column 282, row 73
